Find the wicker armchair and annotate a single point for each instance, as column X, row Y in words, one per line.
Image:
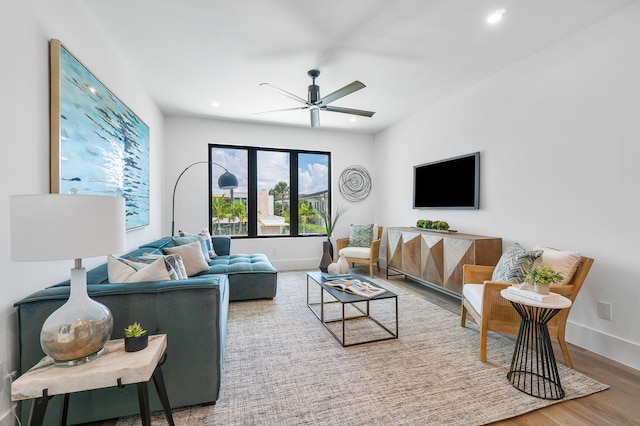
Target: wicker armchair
column 367, row 255
column 492, row 312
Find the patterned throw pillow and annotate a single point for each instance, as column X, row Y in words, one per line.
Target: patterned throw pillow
column 514, row 264
column 126, row 271
column 360, row 235
column 174, row 261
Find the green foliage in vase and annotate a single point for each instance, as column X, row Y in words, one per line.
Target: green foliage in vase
column 330, row 222
column 543, row 275
column 134, row 330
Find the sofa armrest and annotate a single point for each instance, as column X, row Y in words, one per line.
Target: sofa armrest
column 222, row 245
column 341, row 243
column 476, row 274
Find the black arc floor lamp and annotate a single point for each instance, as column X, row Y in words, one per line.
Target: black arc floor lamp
column 226, row 181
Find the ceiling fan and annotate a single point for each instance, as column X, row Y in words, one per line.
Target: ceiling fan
column 315, row 103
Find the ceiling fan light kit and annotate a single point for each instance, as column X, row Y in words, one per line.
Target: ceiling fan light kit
column 315, row 103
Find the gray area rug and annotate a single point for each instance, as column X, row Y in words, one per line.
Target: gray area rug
column 284, row 368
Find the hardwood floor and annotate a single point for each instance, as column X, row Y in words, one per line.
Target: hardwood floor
column 617, row 405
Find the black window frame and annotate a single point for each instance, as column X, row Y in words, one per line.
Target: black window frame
column 252, row 188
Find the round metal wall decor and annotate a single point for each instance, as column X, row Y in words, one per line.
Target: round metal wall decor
column 355, row 183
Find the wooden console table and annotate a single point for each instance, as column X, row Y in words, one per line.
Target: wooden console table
column 436, row 258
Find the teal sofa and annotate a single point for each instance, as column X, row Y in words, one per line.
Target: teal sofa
column 192, row 313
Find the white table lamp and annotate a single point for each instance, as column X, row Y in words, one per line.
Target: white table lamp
column 63, row 227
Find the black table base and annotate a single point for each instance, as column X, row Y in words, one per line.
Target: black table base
column 533, row 367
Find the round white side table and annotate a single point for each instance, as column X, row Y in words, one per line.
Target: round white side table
column 533, row 367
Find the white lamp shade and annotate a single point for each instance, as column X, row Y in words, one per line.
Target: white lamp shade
column 66, row 226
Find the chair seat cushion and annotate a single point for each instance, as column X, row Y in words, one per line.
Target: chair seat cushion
column 357, row 252
column 473, row 294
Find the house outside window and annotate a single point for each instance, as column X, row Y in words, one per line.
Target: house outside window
column 270, row 181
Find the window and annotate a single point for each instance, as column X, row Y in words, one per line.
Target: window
column 270, row 181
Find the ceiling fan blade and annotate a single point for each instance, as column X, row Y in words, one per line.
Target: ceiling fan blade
column 285, row 109
column 315, row 117
column 349, row 88
column 285, row 93
column 349, row 111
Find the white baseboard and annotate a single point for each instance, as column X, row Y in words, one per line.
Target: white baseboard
column 615, row 348
column 296, row 264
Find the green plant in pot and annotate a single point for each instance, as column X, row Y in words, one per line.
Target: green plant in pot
column 542, row 277
column 135, row 338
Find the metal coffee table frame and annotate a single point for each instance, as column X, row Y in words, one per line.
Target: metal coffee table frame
column 349, row 299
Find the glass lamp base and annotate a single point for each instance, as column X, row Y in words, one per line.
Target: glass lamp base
column 79, row 329
column 79, row 361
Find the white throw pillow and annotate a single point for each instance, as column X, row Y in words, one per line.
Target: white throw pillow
column 565, row 262
column 192, row 256
column 123, row 271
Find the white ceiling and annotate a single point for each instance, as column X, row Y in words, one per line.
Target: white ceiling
column 409, row 53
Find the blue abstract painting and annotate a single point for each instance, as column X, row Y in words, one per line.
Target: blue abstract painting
column 103, row 146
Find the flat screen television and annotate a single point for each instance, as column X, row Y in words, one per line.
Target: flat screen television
column 453, row 183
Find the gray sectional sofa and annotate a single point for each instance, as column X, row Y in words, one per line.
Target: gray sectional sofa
column 192, row 313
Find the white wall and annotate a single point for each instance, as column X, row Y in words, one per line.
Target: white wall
column 187, row 141
column 25, row 28
column 559, row 137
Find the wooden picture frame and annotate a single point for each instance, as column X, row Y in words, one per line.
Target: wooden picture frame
column 98, row 145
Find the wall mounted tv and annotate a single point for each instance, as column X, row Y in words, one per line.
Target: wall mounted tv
column 453, row 183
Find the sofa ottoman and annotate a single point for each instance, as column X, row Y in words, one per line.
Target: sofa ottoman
column 251, row 276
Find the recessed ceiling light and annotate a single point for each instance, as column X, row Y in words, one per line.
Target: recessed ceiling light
column 352, row 119
column 496, row 16
column 215, row 104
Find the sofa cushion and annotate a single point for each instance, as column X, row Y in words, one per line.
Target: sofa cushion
column 565, row 262
column 187, row 239
column 514, row 264
column 240, row 264
column 159, row 244
column 192, row 256
column 207, row 240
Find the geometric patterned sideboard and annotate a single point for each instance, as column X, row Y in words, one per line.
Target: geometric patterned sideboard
column 436, row 258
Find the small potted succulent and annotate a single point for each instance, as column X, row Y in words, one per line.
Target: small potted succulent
column 542, row 277
column 136, row 338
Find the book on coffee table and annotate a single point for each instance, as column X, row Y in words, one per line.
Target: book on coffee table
column 357, row 287
column 335, row 276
